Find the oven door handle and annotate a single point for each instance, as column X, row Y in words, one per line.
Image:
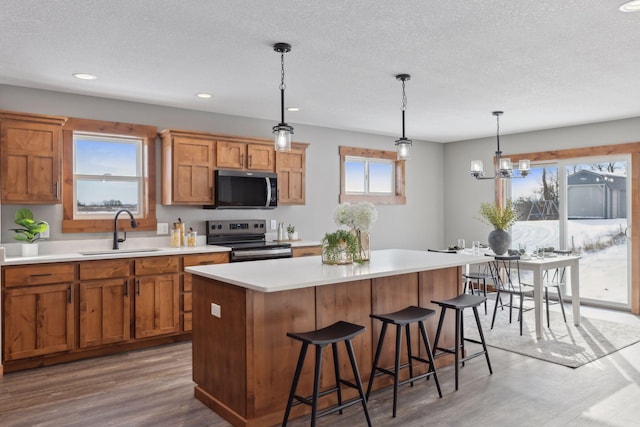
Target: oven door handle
column 268, row 183
column 261, row 252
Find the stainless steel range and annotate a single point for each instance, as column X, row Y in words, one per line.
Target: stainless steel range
column 246, row 238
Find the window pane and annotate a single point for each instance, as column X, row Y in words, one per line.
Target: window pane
column 380, row 177
column 104, row 197
column 354, row 176
column 106, row 157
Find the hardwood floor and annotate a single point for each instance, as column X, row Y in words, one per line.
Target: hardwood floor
column 153, row 387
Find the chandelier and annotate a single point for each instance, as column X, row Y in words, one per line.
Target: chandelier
column 282, row 131
column 504, row 165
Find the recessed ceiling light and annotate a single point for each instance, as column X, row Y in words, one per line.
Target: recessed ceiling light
column 293, row 109
column 84, row 76
column 204, row 95
column 630, row 6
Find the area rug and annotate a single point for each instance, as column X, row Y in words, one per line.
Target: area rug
column 563, row 343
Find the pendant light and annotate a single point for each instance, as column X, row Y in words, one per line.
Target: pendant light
column 403, row 144
column 505, row 167
column 282, row 131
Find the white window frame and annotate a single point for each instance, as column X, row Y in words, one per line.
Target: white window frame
column 139, row 178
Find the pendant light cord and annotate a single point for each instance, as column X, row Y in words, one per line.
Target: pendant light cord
column 498, row 153
column 404, row 106
column 282, row 87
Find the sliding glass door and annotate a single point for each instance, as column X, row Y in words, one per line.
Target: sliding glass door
column 582, row 205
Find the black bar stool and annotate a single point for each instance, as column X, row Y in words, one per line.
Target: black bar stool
column 459, row 303
column 333, row 334
column 404, row 317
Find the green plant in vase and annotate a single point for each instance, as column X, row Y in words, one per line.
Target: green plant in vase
column 340, row 247
column 501, row 218
column 30, row 229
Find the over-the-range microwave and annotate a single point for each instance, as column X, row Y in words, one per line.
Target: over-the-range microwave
column 244, row 190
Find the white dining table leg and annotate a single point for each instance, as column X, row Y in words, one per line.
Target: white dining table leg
column 537, row 296
column 575, row 291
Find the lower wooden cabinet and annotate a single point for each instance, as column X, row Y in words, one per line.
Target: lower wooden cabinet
column 38, row 320
column 157, row 305
column 104, row 312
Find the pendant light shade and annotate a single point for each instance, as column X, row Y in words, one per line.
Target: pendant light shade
column 504, row 167
column 282, row 131
column 403, row 144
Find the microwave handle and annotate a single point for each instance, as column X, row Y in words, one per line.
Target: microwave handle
column 267, row 181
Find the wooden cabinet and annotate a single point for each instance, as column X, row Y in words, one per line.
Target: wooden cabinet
column 243, row 155
column 157, row 299
column 37, row 311
column 306, row 251
column 187, row 168
column 104, row 302
column 290, row 166
column 187, row 280
column 31, row 152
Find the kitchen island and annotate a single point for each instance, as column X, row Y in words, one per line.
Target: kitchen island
column 243, row 362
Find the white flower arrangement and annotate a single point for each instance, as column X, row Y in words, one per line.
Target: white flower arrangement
column 359, row 216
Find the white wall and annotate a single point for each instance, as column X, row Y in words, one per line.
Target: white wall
column 463, row 194
column 416, row 225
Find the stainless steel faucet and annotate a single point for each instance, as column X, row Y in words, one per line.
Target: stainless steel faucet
column 116, row 239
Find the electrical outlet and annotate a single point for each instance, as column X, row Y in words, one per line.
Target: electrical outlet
column 45, row 233
column 274, row 224
column 216, row 310
column 163, row 228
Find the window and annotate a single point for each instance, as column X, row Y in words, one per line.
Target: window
column 107, row 175
column 371, row 175
column 107, row 166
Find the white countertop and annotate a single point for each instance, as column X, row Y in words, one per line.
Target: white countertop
column 295, row 273
column 112, row 254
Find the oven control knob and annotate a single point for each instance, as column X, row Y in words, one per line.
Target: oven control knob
column 261, row 225
column 255, row 225
column 219, row 226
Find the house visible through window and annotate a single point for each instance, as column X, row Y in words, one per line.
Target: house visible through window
column 107, row 175
column 371, row 175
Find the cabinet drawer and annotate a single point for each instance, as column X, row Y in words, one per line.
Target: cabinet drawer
column 105, row 269
column 37, row 274
column 204, row 259
column 187, row 304
column 156, row 265
column 307, row 251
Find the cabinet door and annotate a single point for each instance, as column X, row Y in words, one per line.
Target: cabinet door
column 230, row 155
column 38, row 320
column 260, row 157
column 104, row 312
column 31, row 156
column 157, row 305
column 291, row 177
column 192, row 171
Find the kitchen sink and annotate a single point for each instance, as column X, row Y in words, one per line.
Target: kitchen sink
column 118, row 251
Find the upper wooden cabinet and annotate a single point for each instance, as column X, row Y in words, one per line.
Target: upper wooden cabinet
column 31, row 150
column 291, row 176
column 189, row 160
column 187, row 168
column 243, row 155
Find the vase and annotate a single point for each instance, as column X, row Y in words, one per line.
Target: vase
column 499, row 241
column 364, row 247
column 336, row 254
column 29, row 249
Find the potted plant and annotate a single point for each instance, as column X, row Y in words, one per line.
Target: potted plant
column 29, row 232
column 501, row 218
column 291, row 231
column 340, row 247
column 360, row 217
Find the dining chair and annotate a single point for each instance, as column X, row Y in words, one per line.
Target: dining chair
column 475, row 280
column 557, row 281
column 506, row 274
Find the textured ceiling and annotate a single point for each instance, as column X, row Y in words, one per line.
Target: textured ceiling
column 546, row 63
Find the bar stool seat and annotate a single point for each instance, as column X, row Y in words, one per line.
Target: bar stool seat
column 333, row 334
column 458, row 304
column 404, row 318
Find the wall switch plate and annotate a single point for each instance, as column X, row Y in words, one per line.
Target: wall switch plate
column 274, row 224
column 215, row 310
column 163, row 228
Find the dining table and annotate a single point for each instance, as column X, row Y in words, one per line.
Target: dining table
column 538, row 266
